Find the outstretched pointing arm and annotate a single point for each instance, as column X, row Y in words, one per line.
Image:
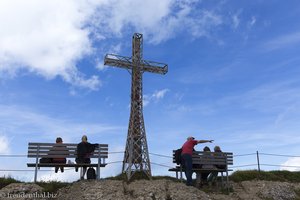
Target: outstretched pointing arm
column 204, row 141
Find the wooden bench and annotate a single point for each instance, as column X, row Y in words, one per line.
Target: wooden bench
column 42, row 150
column 206, row 162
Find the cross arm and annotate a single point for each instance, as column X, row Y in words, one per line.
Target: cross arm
column 154, row 67
column 118, row 61
column 126, row 63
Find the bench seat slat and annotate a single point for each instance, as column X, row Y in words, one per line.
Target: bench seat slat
column 61, row 152
column 200, row 170
column 51, row 144
column 67, row 147
column 64, row 165
column 69, row 156
column 211, row 163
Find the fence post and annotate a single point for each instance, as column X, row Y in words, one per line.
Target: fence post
column 258, row 165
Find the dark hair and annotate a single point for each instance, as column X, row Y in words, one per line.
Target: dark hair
column 206, row 148
column 58, row 140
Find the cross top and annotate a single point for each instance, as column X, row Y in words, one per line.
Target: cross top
column 136, row 59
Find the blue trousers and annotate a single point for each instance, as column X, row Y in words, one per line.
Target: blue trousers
column 188, row 165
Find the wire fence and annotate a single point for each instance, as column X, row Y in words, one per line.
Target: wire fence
column 169, row 163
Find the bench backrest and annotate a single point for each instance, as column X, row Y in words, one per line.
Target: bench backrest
column 65, row 150
column 210, row 158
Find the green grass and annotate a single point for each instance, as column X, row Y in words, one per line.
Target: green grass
column 123, row 177
column 52, row 186
column 4, row 181
column 282, row 176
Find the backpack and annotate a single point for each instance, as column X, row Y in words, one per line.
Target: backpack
column 91, row 173
column 46, row 160
column 177, row 156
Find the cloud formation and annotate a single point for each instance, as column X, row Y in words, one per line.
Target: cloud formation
column 46, row 38
column 156, row 96
column 49, row 38
column 4, row 147
column 292, row 164
column 282, row 41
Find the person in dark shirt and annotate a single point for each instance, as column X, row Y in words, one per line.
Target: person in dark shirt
column 84, row 150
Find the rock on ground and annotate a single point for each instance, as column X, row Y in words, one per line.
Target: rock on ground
column 22, row 191
column 140, row 190
column 157, row 190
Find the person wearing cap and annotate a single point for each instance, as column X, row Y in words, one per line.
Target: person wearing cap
column 84, row 149
column 186, row 156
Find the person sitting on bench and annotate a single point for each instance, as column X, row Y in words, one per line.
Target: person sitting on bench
column 84, row 149
column 60, row 150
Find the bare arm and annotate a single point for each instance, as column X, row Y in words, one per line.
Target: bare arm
column 204, row 141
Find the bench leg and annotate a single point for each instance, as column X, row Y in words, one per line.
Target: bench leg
column 36, row 168
column 98, row 173
column 35, row 174
column 227, row 181
column 98, row 168
column 198, row 179
column 81, row 172
column 181, row 174
column 222, row 179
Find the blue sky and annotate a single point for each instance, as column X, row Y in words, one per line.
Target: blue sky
column 233, row 77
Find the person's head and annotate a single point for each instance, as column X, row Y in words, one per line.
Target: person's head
column 217, row 148
column 59, row 140
column 206, row 148
column 84, row 138
column 190, row 138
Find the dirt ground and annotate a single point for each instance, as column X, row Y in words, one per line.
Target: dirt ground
column 158, row 190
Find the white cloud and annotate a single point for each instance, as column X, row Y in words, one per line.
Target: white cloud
column 100, row 65
column 253, row 21
column 160, row 94
column 49, row 38
column 292, row 164
column 46, row 38
column 114, row 49
column 4, row 147
column 236, row 21
column 156, row 96
column 283, row 41
column 158, row 20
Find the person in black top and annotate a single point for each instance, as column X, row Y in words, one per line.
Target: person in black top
column 84, row 150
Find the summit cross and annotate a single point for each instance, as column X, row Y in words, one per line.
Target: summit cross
column 136, row 156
